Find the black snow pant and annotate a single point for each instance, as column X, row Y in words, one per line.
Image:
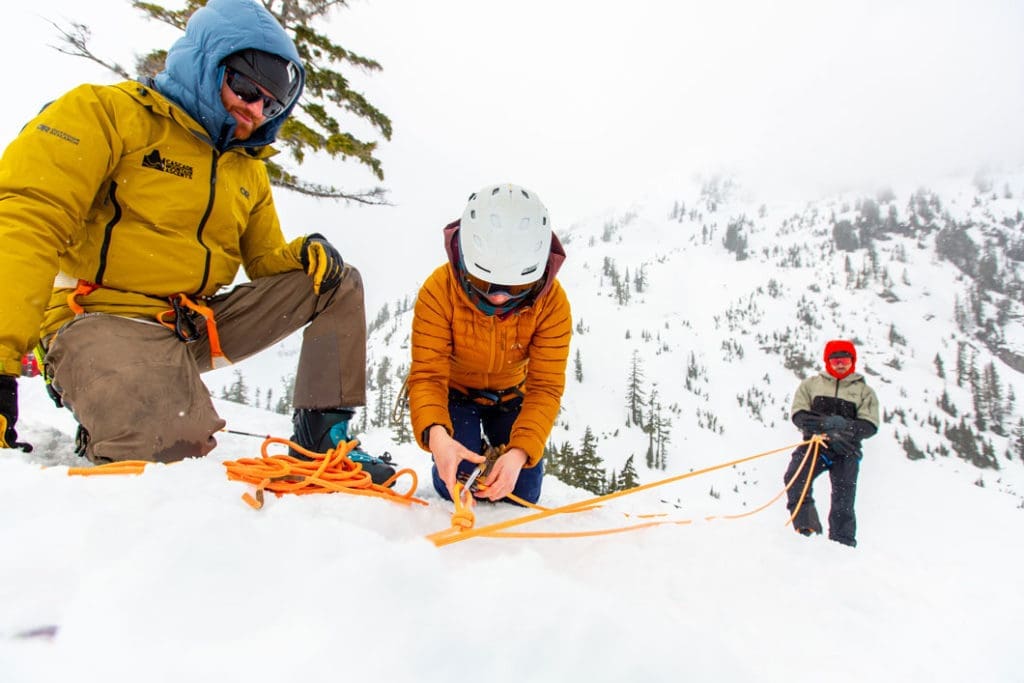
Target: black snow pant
column 842, row 522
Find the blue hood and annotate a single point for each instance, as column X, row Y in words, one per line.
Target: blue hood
column 193, row 73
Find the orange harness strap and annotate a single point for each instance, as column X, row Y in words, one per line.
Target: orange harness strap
column 84, row 288
column 217, row 357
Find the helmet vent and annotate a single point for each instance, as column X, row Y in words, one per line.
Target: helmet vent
column 529, row 270
column 525, row 193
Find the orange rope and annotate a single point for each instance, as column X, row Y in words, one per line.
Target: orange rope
column 810, row 453
column 459, row 533
column 328, row 472
column 121, row 467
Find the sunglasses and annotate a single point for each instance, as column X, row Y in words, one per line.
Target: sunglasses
column 513, row 292
column 249, row 91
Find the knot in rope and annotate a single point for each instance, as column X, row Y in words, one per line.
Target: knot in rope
column 463, row 517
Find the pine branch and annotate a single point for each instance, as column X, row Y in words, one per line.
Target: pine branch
column 76, row 42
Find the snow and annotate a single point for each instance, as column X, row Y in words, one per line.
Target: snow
column 169, row 576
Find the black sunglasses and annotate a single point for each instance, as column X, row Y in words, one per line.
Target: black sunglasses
column 248, row 90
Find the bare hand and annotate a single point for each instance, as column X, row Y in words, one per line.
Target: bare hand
column 504, row 475
column 448, row 453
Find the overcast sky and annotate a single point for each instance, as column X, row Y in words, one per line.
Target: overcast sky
column 595, row 104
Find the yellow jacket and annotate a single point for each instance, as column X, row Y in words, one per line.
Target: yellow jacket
column 456, row 345
column 116, row 185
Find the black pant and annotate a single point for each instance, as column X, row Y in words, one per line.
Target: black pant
column 842, row 522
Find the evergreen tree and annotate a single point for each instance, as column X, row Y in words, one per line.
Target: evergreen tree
column 312, row 127
column 640, row 279
column 568, row 470
column 961, row 363
column 993, row 394
column 237, row 391
column 634, row 390
column 940, row 370
column 284, row 401
column 589, row 473
column 628, row 477
column 578, row 366
column 552, row 461
column 947, row 404
column 662, row 439
column 1017, row 440
column 402, row 432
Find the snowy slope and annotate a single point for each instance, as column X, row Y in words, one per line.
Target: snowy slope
column 169, row 576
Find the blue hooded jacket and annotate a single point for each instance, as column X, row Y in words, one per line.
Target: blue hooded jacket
column 193, row 73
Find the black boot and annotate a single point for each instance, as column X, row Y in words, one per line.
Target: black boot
column 321, row 430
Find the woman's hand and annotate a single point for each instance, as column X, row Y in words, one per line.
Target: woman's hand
column 504, row 475
column 448, row 453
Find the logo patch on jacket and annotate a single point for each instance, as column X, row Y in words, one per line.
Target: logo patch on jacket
column 154, row 160
column 58, row 133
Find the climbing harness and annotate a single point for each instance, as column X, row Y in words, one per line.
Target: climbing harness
column 185, row 327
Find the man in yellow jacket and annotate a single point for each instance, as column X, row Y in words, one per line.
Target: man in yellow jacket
column 490, row 344
column 124, row 212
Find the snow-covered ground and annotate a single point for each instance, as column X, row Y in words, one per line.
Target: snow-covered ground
column 170, row 576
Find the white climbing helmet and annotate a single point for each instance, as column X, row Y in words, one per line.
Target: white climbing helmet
column 505, row 235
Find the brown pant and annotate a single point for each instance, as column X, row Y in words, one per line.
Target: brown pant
column 135, row 386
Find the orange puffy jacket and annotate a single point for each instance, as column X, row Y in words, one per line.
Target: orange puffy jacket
column 455, row 345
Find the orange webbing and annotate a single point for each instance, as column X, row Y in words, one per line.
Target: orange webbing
column 328, row 472
column 217, row 357
column 122, row 467
column 84, row 288
column 459, row 533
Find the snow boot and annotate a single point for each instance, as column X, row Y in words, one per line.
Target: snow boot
column 321, row 430
column 807, row 521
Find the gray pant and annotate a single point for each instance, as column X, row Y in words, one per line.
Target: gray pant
column 135, row 386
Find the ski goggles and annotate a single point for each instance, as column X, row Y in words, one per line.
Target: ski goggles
column 507, row 292
column 249, row 91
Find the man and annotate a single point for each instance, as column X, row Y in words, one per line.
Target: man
column 490, row 344
column 839, row 404
column 126, row 208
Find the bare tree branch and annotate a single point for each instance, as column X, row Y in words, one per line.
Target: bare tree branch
column 76, row 44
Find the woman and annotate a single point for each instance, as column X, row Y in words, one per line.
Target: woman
column 490, row 344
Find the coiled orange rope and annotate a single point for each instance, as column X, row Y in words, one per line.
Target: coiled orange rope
column 328, row 472
column 462, row 529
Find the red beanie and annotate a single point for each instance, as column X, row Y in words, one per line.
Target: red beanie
column 840, row 347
